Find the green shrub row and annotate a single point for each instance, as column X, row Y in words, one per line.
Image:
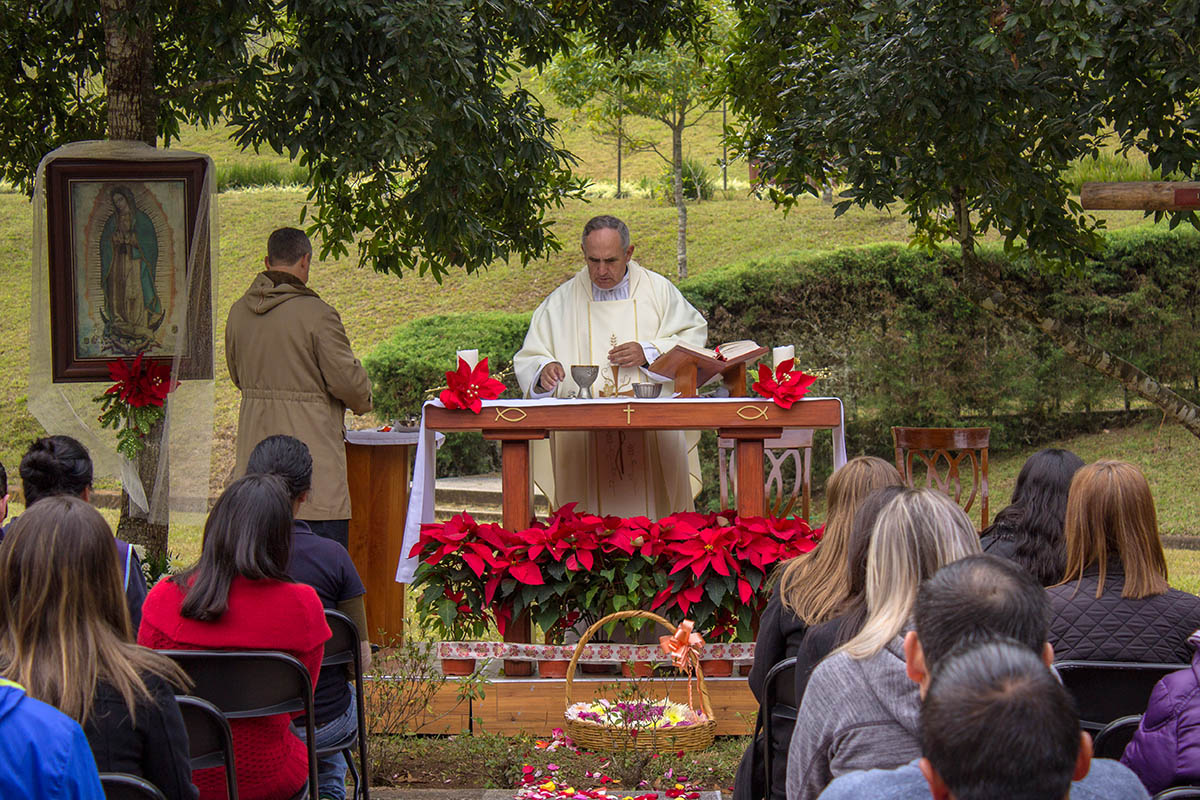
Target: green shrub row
column 892, row 336
column 408, row 367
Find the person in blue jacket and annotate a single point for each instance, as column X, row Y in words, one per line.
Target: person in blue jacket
column 43, row 752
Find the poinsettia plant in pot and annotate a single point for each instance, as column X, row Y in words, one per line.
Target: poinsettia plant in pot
column 719, row 568
column 712, row 568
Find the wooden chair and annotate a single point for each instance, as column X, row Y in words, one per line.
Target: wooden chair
column 122, row 786
column 245, row 684
column 344, row 650
column 947, row 448
column 796, row 444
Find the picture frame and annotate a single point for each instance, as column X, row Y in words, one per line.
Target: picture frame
column 119, row 236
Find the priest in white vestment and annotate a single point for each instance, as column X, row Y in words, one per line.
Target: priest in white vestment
column 612, row 313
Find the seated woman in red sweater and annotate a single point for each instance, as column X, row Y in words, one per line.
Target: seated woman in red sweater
column 238, row 597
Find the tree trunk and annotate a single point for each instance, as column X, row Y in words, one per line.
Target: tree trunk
column 680, row 205
column 991, row 292
column 129, row 73
column 620, row 146
column 141, row 531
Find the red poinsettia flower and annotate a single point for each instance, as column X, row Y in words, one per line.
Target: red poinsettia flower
column 467, row 387
column 141, row 384
column 785, row 386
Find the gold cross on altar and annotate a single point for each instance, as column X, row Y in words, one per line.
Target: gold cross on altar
column 628, row 409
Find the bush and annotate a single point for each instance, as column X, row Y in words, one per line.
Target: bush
column 408, row 366
column 698, row 184
column 260, row 173
column 893, row 337
column 900, row 345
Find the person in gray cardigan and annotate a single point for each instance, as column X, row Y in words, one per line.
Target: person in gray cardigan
column 860, row 709
column 996, row 724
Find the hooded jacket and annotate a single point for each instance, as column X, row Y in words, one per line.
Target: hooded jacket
column 1165, row 750
column 43, row 752
column 289, row 355
column 856, row 714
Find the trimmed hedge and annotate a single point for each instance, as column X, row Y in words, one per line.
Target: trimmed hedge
column 900, row 344
column 903, row 346
column 409, row 365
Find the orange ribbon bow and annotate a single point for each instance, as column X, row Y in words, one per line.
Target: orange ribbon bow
column 684, row 647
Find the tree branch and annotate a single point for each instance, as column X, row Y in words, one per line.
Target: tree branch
column 987, row 288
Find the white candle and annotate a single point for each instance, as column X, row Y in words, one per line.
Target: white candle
column 469, row 356
column 781, row 354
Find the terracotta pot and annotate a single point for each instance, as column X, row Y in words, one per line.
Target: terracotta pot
column 553, row 669
column 744, row 669
column 597, row 669
column 639, row 669
column 517, row 669
column 716, row 667
column 458, row 666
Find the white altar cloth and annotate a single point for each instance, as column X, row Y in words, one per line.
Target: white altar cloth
column 420, row 497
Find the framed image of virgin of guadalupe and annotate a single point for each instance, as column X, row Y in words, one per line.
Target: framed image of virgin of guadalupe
column 124, row 278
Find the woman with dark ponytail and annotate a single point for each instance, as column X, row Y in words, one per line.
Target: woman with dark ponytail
column 59, row 465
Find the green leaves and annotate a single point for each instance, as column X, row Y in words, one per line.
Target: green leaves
column 966, row 115
column 420, row 144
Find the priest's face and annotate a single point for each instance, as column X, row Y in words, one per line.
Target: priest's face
column 606, row 259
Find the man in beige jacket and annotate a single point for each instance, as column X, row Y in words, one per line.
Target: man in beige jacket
column 289, row 355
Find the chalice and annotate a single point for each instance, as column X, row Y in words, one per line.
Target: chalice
column 584, row 376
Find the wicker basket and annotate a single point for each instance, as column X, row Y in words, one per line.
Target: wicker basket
column 595, row 736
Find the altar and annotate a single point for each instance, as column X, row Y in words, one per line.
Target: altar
column 515, row 423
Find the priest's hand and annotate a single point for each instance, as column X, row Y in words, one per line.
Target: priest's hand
column 552, row 374
column 629, row 354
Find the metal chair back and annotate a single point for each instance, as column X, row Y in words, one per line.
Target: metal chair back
column 246, row 684
column 122, row 786
column 1108, row 690
column 210, row 741
column 344, row 648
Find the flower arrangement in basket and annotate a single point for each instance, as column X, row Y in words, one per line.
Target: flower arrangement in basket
column 657, row 725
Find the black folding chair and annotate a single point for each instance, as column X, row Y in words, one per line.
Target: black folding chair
column 344, row 648
column 779, row 715
column 209, row 738
column 1179, row 793
column 122, row 786
column 245, row 684
column 1108, row 690
column 1110, row 742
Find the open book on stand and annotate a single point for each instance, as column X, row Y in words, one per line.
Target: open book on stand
column 691, row 367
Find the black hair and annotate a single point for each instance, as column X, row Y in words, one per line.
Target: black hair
column 976, row 598
column 853, row 612
column 3, row 480
column 996, row 723
column 287, row 457
column 247, row 533
column 55, row 465
column 286, row 246
column 1034, row 520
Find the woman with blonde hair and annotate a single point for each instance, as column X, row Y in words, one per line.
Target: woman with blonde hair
column 813, row 589
column 1114, row 603
column 860, row 710
column 65, row 636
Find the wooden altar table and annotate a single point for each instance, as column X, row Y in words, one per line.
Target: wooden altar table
column 515, row 423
